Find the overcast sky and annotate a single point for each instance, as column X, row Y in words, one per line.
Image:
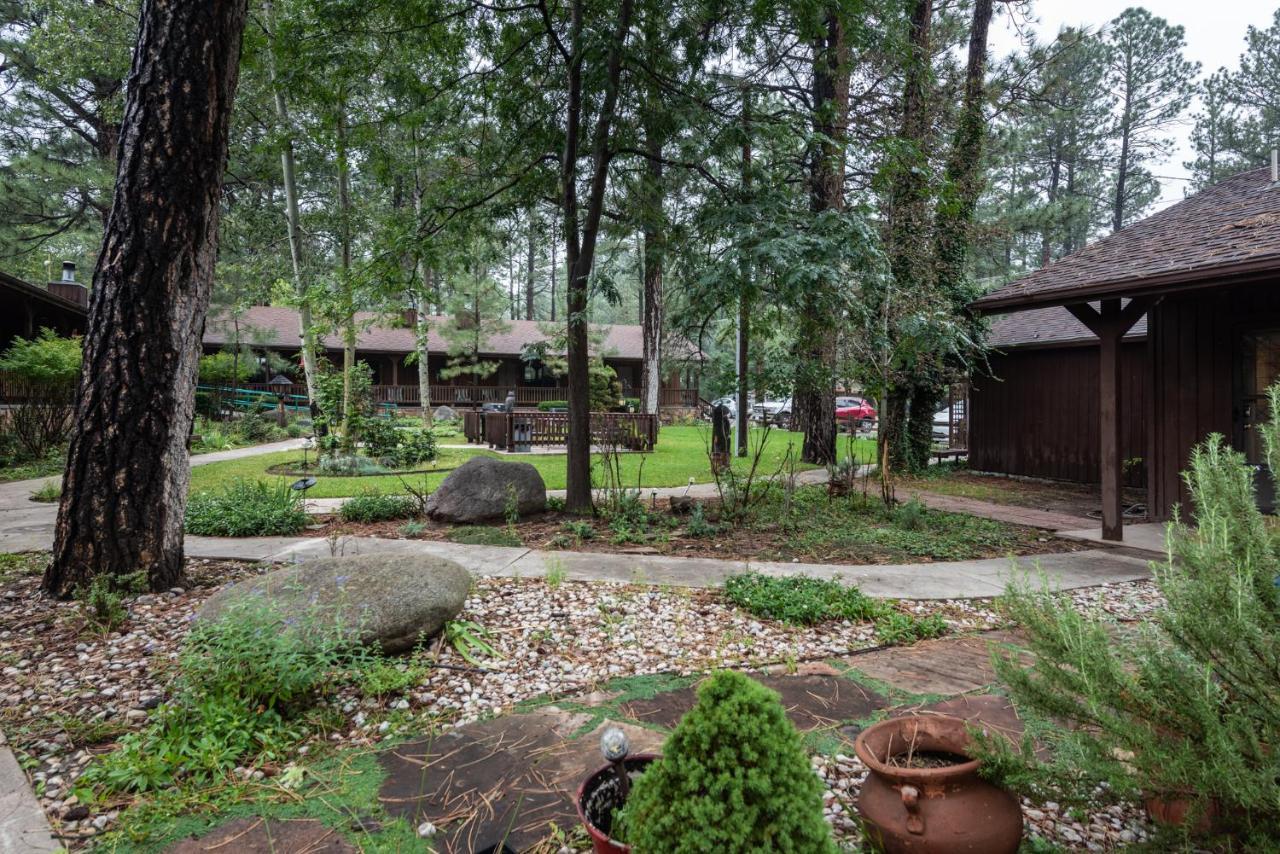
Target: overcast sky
column 1215, row 31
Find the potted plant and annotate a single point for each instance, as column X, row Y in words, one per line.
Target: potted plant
column 733, row 776
column 923, row 792
column 602, row 796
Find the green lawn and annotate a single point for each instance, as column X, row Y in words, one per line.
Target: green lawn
column 681, row 454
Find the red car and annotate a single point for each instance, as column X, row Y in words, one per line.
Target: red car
column 860, row 414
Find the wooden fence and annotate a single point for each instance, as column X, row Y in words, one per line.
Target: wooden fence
column 509, row 430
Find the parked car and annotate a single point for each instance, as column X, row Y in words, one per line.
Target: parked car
column 772, row 411
column 856, row 414
column 730, row 401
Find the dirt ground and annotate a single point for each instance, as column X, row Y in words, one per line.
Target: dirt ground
column 1078, row 499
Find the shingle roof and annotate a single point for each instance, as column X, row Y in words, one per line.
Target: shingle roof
column 30, row 291
column 272, row 325
column 1046, row 326
column 1231, row 228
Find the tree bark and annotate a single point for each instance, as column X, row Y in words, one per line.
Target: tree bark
column 530, row 259
column 654, row 259
column 293, row 219
column 814, row 401
column 953, row 219
column 125, row 486
column 580, row 242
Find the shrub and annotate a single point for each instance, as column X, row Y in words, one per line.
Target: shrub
column 376, row 507
column 698, row 525
column 246, row 508
column 548, row 405
column 415, row 447
column 800, row 600
column 350, row 465
column 102, row 602
column 243, row 681
column 555, row 504
column 380, row 438
column 734, row 776
column 44, row 359
column 579, row 530
column 1187, row 705
column 412, row 529
column 256, row 427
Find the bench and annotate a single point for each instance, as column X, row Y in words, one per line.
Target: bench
column 952, row 453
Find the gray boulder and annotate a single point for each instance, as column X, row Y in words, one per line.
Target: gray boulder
column 445, row 413
column 387, row 600
column 477, row 490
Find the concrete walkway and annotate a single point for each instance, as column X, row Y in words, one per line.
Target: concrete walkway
column 28, row 526
column 24, row 829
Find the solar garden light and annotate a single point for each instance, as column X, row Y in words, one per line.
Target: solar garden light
column 280, row 385
column 615, row 747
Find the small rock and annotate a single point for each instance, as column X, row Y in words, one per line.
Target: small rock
column 426, row 830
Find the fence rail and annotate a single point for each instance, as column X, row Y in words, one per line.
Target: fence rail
column 510, row 430
column 466, row 395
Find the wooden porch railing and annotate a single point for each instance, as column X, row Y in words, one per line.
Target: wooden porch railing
column 459, row 396
column 507, row 430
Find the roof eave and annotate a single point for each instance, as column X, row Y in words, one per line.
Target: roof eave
column 1175, row 282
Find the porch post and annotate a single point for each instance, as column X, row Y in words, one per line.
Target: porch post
column 1109, row 409
column 1110, row 325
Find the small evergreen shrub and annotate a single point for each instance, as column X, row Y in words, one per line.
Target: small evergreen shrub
column 412, row 529
column 800, row 600
column 376, row 507
column 733, row 777
column 1185, row 706
column 246, row 508
column 550, row 405
column 102, row 601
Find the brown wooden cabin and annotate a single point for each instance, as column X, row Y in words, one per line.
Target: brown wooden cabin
column 387, row 347
column 1204, row 274
column 25, row 308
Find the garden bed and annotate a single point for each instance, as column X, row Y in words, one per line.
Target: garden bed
column 818, row 530
column 72, row 691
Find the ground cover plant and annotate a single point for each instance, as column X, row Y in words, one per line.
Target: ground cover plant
column 681, row 454
column 1187, row 707
column 246, row 508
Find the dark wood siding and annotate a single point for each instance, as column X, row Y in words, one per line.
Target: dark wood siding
column 1195, row 342
column 1036, row 414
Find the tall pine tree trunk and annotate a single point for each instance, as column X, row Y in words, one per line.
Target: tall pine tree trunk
column 953, row 219
column 125, row 487
column 530, row 259
column 654, row 261
column 293, row 220
column 814, row 400
column 344, row 274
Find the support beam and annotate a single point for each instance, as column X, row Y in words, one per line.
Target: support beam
column 1110, row 324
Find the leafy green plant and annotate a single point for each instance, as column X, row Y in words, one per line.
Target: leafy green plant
column 799, row 599
column 470, row 640
column 244, row 682
column 910, row 516
column 102, row 601
column 511, row 506
column 246, row 508
column 555, row 504
column 375, row 507
column 1186, row 705
column 482, row 535
column 412, row 529
column 895, row 627
column 579, row 529
column 350, row 465
column 698, row 526
column 48, row 358
column 380, row 677
column 556, row 573
column 733, row 776
column 48, row 494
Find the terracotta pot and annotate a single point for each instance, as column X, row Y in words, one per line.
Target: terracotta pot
column 1172, row 810
column 939, row 810
column 599, row 796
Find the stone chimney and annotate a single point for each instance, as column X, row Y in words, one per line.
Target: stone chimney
column 68, row 288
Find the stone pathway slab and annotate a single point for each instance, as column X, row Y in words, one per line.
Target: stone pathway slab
column 812, row 702
column 1011, row 513
column 267, row 836
column 23, row 826
column 945, row 666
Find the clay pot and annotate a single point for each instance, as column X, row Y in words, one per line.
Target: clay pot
column 1175, row 810
column 598, row 798
column 938, row 810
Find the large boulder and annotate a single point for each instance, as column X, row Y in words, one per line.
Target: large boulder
column 445, row 413
column 385, row 600
column 478, row 489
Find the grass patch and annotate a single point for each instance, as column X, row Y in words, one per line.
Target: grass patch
column 245, row 508
column 482, row 535
column 681, row 454
column 50, row 464
column 376, row 507
column 18, row 564
column 49, row 493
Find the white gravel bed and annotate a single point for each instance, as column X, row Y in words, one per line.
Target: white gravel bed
column 62, row 684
